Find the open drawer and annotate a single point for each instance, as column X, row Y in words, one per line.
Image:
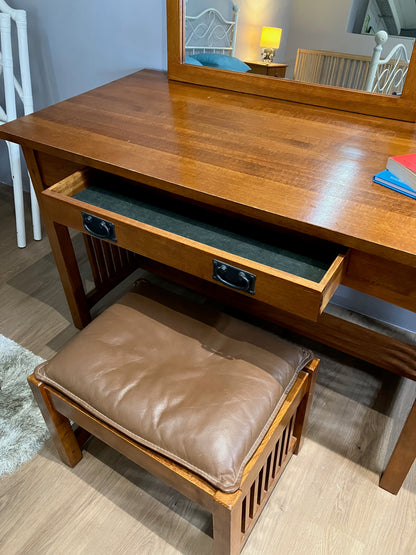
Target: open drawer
column 292, row 273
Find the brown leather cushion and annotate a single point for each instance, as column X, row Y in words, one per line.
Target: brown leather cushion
column 188, row 381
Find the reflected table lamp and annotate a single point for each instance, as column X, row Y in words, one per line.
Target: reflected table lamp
column 270, row 41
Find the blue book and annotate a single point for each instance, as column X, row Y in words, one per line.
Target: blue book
column 389, row 180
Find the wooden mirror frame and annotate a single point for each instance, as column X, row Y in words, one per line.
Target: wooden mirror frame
column 394, row 107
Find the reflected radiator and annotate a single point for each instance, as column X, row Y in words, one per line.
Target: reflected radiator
column 350, row 70
column 331, row 68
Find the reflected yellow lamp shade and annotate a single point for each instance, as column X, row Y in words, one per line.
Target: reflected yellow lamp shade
column 270, row 41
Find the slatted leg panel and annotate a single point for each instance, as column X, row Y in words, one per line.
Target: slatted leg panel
column 110, row 264
column 263, row 485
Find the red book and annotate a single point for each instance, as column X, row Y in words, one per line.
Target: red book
column 404, row 167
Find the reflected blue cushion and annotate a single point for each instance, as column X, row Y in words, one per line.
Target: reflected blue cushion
column 221, row 61
column 192, row 60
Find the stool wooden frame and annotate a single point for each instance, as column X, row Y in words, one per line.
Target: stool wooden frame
column 234, row 514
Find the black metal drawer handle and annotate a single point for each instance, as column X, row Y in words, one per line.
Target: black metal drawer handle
column 233, row 277
column 245, row 283
column 98, row 227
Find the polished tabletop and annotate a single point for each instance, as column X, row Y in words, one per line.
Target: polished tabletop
column 306, row 168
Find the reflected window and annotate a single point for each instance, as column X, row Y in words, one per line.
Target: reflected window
column 396, row 17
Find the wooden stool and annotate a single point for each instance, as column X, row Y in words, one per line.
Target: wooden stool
column 211, row 405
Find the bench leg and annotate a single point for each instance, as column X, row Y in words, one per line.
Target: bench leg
column 226, row 530
column 59, row 426
column 304, row 408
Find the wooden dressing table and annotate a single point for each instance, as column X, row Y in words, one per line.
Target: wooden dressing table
column 299, row 171
column 261, row 174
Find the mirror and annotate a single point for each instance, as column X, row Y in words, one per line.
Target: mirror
column 401, row 106
column 305, row 46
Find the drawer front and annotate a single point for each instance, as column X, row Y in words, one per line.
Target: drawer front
column 270, row 285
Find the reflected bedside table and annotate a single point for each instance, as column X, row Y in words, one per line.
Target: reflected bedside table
column 264, row 68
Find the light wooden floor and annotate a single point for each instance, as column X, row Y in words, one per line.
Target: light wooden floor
column 327, row 501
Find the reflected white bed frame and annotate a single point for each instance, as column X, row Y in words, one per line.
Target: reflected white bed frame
column 210, row 32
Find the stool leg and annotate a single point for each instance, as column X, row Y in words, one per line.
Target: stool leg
column 302, row 413
column 59, row 426
column 226, row 530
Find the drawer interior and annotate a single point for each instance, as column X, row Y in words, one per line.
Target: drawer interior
column 245, row 238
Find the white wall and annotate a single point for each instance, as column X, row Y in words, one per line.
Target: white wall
column 76, row 45
column 255, row 14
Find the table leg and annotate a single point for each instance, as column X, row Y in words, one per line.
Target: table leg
column 67, row 264
column 403, row 456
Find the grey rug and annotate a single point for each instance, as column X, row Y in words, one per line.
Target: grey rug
column 22, row 428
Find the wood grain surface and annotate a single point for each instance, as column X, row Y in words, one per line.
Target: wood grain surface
column 301, row 167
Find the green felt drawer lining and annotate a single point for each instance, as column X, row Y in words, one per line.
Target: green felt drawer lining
column 214, row 230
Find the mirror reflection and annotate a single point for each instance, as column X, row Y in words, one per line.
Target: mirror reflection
column 396, row 17
column 347, row 43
